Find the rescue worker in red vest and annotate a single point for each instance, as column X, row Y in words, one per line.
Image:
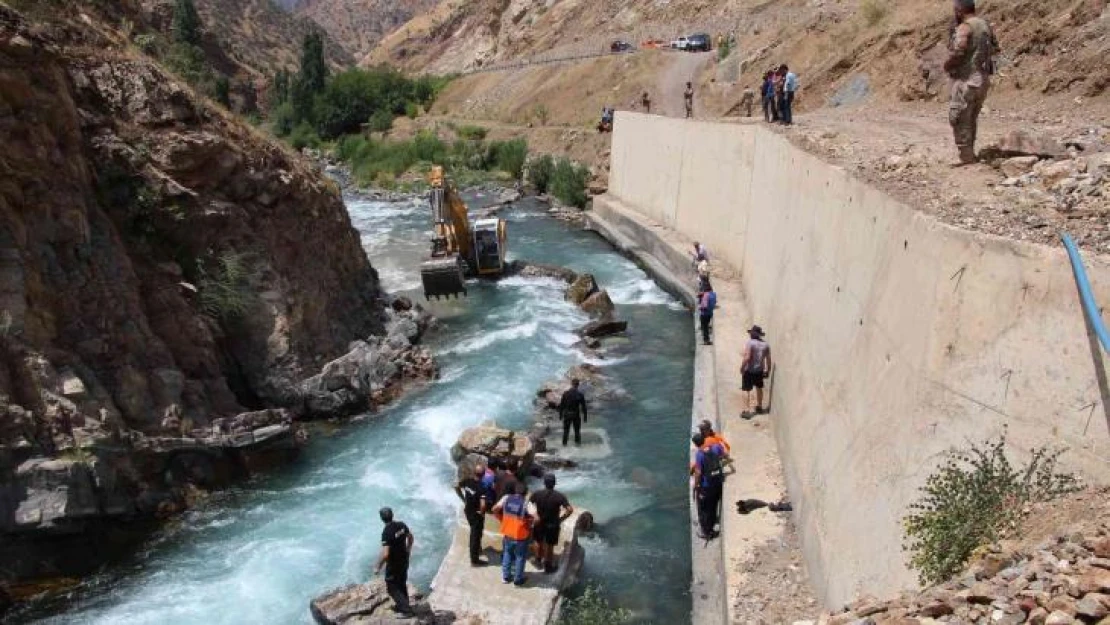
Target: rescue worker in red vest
column 516, row 516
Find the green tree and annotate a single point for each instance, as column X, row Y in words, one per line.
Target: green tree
column 186, row 24
column 568, row 183
column 314, row 71
column 279, row 91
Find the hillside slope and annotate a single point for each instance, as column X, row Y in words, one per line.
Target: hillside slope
column 358, row 25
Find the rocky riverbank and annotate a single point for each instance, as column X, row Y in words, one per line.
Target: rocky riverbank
column 178, row 292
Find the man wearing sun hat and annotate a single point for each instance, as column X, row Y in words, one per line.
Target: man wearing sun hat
column 755, row 367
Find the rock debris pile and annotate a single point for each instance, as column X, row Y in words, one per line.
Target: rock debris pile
column 1064, row 580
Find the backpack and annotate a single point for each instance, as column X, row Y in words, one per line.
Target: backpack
column 487, row 488
column 712, row 303
column 712, row 470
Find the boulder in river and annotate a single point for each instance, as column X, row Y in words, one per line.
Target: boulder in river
column 369, row 604
column 598, row 304
column 494, row 443
column 583, row 287
column 603, row 327
column 526, row 269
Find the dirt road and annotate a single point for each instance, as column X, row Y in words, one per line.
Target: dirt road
column 682, row 67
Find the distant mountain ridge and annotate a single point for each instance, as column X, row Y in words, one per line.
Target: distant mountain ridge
column 358, row 25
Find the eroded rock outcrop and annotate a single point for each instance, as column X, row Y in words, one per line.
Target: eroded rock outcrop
column 170, row 280
column 369, row 604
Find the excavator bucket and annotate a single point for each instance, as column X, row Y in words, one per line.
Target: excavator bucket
column 443, row 277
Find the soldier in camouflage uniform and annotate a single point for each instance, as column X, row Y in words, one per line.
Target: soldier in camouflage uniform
column 969, row 66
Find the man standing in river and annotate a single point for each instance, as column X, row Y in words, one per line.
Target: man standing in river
column 572, row 410
column 396, row 547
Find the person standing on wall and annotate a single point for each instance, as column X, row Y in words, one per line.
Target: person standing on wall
column 396, row 546
column 767, row 92
column 707, row 302
column 789, row 87
column 709, row 480
column 516, row 518
column 475, row 504
column 755, row 367
column 572, row 410
column 969, row 65
column 552, row 508
column 688, row 98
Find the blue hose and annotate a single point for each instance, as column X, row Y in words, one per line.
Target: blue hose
column 1085, row 293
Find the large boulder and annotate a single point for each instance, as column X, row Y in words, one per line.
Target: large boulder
column 369, row 604
column 493, row 443
column 603, row 327
column 527, row 269
column 599, row 304
column 1022, row 143
column 582, row 287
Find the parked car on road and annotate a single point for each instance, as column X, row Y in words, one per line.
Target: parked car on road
column 620, row 46
column 699, row 43
column 680, row 44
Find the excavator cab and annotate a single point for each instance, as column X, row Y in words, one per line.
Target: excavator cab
column 490, row 253
column 458, row 250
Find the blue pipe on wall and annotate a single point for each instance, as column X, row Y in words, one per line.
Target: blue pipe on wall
column 1085, row 294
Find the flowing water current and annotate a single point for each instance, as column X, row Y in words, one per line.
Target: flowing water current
column 260, row 552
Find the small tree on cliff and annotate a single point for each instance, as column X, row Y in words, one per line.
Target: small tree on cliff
column 186, row 23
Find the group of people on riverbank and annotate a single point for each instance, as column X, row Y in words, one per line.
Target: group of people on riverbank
column 712, row 451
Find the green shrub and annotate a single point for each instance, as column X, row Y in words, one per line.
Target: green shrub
column 540, row 171
column 724, row 50
column 471, row 133
column 412, row 110
column 976, row 497
column 303, row 136
column 382, row 121
column 226, row 293
column 282, row 119
column 568, row 182
column 874, row 11
column 509, row 156
column 592, row 609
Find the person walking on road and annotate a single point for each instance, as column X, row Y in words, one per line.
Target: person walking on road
column 969, row 65
column 572, row 410
column 755, row 367
column 688, row 99
column 709, row 480
column 645, row 101
column 396, row 546
column 516, row 527
column 552, row 508
column 475, row 504
column 707, row 302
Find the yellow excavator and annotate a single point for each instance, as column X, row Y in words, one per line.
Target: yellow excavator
column 459, row 251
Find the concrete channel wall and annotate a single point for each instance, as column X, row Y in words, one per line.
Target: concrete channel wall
column 895, row 337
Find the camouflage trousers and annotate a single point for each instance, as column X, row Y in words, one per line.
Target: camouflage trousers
column 964, row 105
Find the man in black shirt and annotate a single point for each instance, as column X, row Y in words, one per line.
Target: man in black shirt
column 396, row 546
column 552, row 508
column 475, row 505
column 572, row 409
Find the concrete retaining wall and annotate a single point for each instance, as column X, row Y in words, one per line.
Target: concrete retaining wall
column 895, row 337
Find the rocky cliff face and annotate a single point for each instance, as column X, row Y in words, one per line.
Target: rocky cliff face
column 171, row 282
column 359, row 25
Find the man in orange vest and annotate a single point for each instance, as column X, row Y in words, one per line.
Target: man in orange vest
column 516, row 518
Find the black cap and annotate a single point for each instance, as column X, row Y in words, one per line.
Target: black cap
column 549, row 480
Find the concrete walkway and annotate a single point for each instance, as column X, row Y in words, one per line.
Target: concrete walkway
column 724, row 569
column 478, row 593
